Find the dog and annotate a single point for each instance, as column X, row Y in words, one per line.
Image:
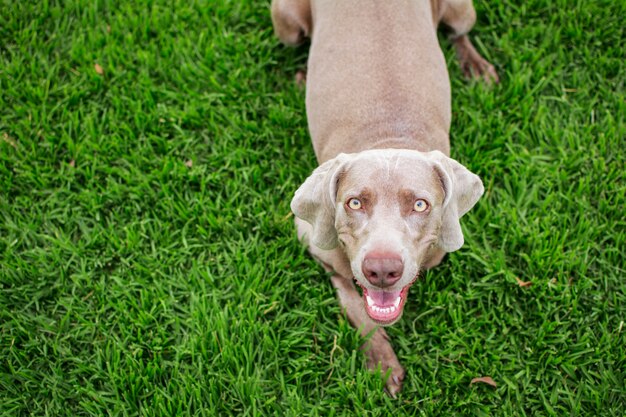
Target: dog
column 386, row 199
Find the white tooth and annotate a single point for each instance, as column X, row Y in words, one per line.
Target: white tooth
column 392, row 308
column 397, row 302
column 370, row 302
column 387, row 310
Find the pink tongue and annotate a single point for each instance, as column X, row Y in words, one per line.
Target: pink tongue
column 383, row 298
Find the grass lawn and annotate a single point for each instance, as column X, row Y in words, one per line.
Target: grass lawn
column 149, row 266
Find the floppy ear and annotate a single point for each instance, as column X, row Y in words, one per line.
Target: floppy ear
column 462, row 190
column 314, row 202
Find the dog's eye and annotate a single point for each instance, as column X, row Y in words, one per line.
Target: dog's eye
column 420, row 205
column 354, row 204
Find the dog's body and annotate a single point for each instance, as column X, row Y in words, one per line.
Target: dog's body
column 386, row 199
column 387, row 55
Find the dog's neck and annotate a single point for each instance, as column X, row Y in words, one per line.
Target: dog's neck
column 421, row 142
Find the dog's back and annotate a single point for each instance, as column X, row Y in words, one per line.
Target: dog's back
column 376, row 78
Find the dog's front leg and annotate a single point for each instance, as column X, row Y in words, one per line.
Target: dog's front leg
column 377, row 348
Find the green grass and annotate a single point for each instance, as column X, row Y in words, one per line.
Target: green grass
column 132, row 284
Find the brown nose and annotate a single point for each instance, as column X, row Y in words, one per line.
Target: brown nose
column 382, row 271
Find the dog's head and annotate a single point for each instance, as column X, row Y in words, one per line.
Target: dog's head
column 387, row 209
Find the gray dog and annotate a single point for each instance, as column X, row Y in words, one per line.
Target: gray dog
column 386, row 200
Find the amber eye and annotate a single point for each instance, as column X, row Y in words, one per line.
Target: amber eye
column 354, row 204
column 420, row 205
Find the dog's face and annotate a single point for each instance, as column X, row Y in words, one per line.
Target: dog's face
column 387, row 209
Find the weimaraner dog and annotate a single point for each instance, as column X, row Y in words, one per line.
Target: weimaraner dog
column 386, row 200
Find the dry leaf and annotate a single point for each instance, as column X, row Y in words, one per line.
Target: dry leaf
column 9, row 140
column 189, row 163
column 485, row 380
column 523, row 283
column 108, row 28
column 98, row 69
column 301, row 78
column 72, row 163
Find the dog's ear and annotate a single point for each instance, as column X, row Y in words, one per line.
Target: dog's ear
column 462, row 190
column 314, row 202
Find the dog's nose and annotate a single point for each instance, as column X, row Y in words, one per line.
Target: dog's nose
column 383, row 271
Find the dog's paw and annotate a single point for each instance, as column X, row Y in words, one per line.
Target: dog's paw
column 394, row 382
column 382, row 355
column 478, row 67
column 472, row 63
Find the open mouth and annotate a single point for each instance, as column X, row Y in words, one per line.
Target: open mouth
column 385, row 307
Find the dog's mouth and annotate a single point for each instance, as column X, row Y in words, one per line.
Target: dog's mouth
column 385, row 307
